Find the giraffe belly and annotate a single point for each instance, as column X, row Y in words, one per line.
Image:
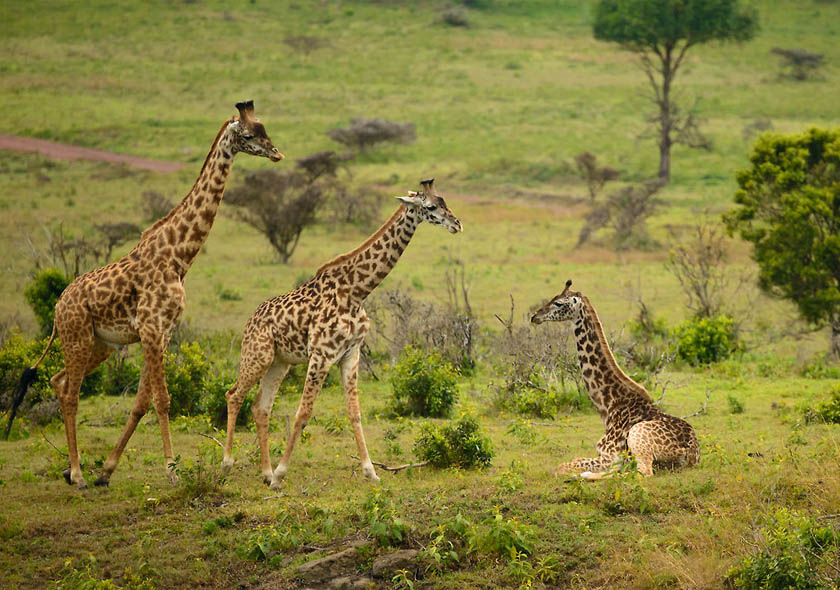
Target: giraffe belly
column 117, row 335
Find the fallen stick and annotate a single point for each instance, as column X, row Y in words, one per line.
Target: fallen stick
column 394, row 469
column 211, row 438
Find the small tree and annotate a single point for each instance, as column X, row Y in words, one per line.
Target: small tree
column 789, row 209
column 661, row 32
column 801, row 63
column 626, row 211
column 365, row 133
column 699, row 264
column 594, row 175
column 280, row 205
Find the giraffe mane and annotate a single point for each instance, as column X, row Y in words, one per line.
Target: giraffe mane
column 611, row 363
column 342, row 258
column 166, row 217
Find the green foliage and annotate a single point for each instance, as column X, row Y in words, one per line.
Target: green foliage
column 215, row 403
column 505, row 537
column 42, row 294
column 706, row 340
column 788, row 209
column 541, row 400
column 423, row 385
column 647, row 24
column 789, row 557
column 119, row 375
column 457, row 444
column 84, row 576
column 385, row 527
column 828, row 411
column 735, row 405
column 195, row 386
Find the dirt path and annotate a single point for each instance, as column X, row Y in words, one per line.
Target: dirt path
column 65, row 151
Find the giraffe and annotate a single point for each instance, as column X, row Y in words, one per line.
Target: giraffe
column 324, row 322
column 141, row 296
column 631, row 419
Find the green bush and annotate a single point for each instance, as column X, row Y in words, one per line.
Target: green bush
column 119, row 375
column 423, row 385
column 42, row 293
column 185, row 376
column 215, row 402
column 790, row 558
column 17, row 354
column 457, row 444
column 706, row 340
column 828, row 411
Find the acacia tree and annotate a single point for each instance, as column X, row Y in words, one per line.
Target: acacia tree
column 790, row 210
column 661, row 32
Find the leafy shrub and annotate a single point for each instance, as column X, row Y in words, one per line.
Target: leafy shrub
column 790, row 557
column 828, row 411
column 42, row 294
column 119, row 375
column 505, row 537
column 17, row 354
column 385, row 526
column 423, row 385
column 706, row 340
column 215, row 403
column 820, row 368
column 454, row 16
column 457, row 444
column 185, row 371
column 735, row 405
column 85, row 576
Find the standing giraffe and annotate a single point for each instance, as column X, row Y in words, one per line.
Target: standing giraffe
column 631, row 420
column 141, row 296
column 324, row 321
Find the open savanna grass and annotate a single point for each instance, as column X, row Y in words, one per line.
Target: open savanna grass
column 681, row 529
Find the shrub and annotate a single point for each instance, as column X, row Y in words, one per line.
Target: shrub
column 735, row 405
column 365, row 133
column 706, row 340
column 215, row 403
column 790, row 557
column 454, row 16
column 457, row 444
column 828, row 411
column 42, row 293
column 119, row 375
column 423, row 385
column 388, row 529
column 185, row 371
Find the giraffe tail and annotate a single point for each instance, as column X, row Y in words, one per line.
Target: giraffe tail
column 26, row 379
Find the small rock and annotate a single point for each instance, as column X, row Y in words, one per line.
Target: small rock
column 352, row 583
column 398, row 560
column 326, row 568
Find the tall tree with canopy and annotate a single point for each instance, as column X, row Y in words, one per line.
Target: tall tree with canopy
column 790, row 211
column 661, row 32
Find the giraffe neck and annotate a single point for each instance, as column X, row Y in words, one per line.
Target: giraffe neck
column 180, row 235
column 363, row 269
column 607, row 385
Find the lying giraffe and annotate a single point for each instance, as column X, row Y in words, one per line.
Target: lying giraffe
column 141, row 296
column 324, row 321
column 631, row 419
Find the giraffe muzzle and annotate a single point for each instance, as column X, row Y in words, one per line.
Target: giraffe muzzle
column 275, row 155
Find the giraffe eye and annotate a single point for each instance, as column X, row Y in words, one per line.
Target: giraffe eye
column 431, row 207
column 247, row 136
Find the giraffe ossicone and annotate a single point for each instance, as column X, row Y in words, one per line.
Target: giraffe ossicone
column 323, row 322
column 631, row 420
column 140, row 297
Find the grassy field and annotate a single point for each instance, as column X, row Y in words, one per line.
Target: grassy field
column 501, row 108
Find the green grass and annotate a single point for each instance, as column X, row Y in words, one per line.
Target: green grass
column 501, row 108
column 690, row 526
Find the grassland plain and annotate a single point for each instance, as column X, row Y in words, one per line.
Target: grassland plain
column 501, row 107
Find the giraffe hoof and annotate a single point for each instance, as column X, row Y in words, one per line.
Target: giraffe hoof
column 66, row 474
column 102, row 481
column 82, row 485
column 227, row 465
column 266, row 479
column 276, row 485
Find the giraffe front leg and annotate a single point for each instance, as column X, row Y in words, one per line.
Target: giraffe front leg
column 262, row 413
column 315, row 375
column 349, row 377
column 586, row 465
column 153, row 348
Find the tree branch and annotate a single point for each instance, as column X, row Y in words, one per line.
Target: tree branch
column 394, row 469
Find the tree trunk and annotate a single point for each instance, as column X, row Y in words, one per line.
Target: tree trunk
column 666, row 123
column 835, row 338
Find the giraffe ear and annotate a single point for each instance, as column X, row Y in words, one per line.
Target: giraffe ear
column 428, row 186
column 246, row 110
column 411, row 199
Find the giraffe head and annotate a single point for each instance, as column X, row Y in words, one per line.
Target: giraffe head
column 431, row 207
column 565, row 306
column 249, row 134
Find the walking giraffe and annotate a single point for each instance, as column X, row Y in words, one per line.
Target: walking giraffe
column 141, row 296
column 631, row 420
column 324, row 321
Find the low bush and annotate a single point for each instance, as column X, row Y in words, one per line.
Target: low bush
column 423, row 385
column 42, row 294
column 828, row 411
column 703, row 341
column 790, row 557
column 457, row 444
